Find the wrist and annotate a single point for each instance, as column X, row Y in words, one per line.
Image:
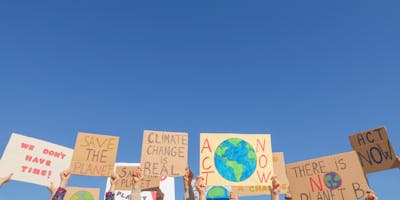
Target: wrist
column 63, row 183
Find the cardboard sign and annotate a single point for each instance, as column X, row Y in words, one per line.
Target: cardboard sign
column 236, row 159
column 164, row 153
column 338, row 176
column 94, row 154
column 374, row 150
column 213, row 192
column 166, row 184
column 279, row 170
column 76, row 193
column 34, row 161
column 125, row 182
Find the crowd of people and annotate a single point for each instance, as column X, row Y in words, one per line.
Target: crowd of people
column 59, row 193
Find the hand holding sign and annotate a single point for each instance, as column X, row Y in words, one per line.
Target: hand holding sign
column 200, row 186
column 5, row 179
column 187, row 179
column 113, row 179
column 137, row 177
column 274, row 189
column 371, row 195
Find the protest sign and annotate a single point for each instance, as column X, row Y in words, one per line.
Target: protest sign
column 213, row 192
column 164, row 153
column 125, row 173
column 94, row 154
column 76, row 193
column 279, row 171
column 34, row 161
column 236, row 159
column 166, row 184
column 338, row 176
column 374, row 150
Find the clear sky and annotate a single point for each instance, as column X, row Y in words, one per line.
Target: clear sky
column 308, row 72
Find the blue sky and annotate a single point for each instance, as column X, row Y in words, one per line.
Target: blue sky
column 308, row 72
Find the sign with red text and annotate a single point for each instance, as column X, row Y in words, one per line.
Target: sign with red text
column 77, row 193
column 166, row 184
column 374, row 150
column 236, row 159
column 94, row 154
column 34, row 161
column 338, row 176
column 279, row 170
column 164, row 153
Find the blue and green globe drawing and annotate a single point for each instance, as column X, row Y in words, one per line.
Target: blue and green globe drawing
column 217, row 193
column 82, row 195
column 332, row 180
column 235, row 159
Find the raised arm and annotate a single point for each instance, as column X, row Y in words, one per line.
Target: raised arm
column 137, row 180
column 275, row 191
column 60, row 192
column 187, row 184
column 201, row 187
column 5, row 179
column 110, row 194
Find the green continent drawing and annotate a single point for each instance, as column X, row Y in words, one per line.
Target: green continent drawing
column 235, row 159
column 82, row 195
column 217, row 193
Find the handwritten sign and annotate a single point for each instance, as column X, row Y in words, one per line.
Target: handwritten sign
column 76, row 193
column 279, row 171
column 164, row 153
column 166, row 184
column 236, row 159
column 94, row 154
column 374, row 150
column 338, row 176
column 213, row 192
column 125, row 173
column 34, row 161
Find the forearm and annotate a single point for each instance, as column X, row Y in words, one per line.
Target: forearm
column 59, row 195
column 189, row 194
column 135, row 193
column 274, row 196
column 202, row 196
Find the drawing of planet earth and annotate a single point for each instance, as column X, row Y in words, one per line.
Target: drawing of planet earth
column 235, row 159
column 82, row 195
column 218, row 193
column 333, row 180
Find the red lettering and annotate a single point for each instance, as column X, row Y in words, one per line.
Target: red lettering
column 262, row 146
column 263, row 164
column 262, row 178
column 315, row 183
column 207, row 172
column 202, row 163
column 27, row 146
column 206, row 147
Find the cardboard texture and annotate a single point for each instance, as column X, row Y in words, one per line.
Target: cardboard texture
column 338, row 176
column 279, row 170
column 164, row 153
column 166, row 184
column 236, row 159
column 374, row 150
column 77, row 193
column 34, row 161
column 94, row 154
column 125, row 174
